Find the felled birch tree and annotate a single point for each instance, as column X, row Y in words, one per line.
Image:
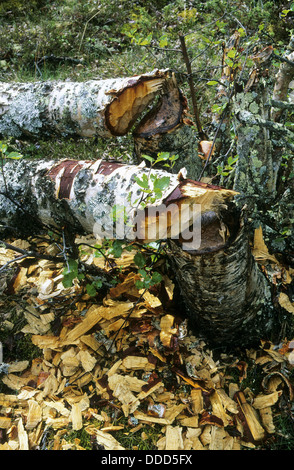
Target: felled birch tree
column 150, row 105
column 208, row 243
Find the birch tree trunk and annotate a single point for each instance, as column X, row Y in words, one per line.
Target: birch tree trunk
column 284, row 76
column 212, row 269
column 82, row 194
column 151, row 105
column 105, row 108
column 264, row 184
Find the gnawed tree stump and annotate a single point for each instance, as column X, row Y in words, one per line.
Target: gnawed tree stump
column 220, row 283
column 227, row 297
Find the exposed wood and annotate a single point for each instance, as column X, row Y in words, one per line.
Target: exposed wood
column 103, row 108
column 166, row 128
column 83, row 194
column 249, row 419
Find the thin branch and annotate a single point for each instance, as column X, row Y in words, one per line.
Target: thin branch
column 85, row 28
column 15, row 260
column 28, row 253
column 213, row 142
column 283, row 59
column 192, row 88
column 163, row 49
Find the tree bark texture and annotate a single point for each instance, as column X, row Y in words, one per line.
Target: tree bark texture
column 80, row 194
column 105, row 108
column 221, row 285
column 284, row 76
column 150, row 105
column 227, row 297
column 263, row 183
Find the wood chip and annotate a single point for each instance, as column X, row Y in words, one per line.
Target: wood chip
column 218, row 409
column 34, row 415
column 197, row 401
column 121, row 390
column 255, row 427
column 107, row 441
column 217, row 438
column 267, row 419
column 88, row 361
column 76, row 417
column 264, row 401
column 18, row 366
column 227, row 402
column 5, row 422
column 191, row 440
column 137, row 363
column 22, row 436
column 174, row 439
column 169, row 418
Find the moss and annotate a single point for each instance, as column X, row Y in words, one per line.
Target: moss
column 17, row 346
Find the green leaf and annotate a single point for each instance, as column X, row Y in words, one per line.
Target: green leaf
column 143, row 273
column 14, row 155
column 143, row 183
column 212, row 82
column 146, row 41
column 139, row 260
column 163, row 41
column 156, row 278
column 147, row 157
column 91, row 291
column 162, row 156
column 3, row 147
column 232, row 53
column 160, row 184
column 72, row 267
column 117, row 248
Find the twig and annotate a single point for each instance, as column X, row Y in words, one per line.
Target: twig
column 213, row 142
column 3, row 268
column 283, row 59
column 85, row 28
column 26, row 254
column 192, row 88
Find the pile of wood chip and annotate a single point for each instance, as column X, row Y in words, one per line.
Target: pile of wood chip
column 128, row 361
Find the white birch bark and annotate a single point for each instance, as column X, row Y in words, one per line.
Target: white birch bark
column 104, row 108
column 283, row 79
column 84, row 194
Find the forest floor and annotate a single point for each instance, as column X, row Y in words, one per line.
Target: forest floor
column 122, row 370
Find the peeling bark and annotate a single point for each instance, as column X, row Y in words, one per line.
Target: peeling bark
column 105, row 108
